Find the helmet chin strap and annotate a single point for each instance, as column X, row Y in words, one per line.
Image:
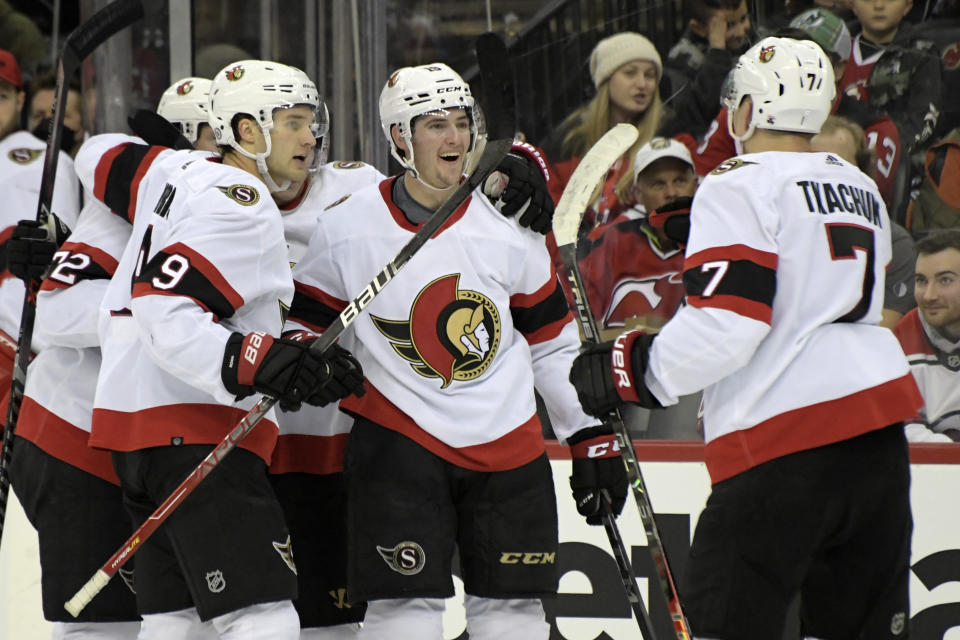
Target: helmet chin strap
column 261, row 160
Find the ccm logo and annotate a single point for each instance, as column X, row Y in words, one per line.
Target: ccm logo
column 619, row 362
column 448, row 89
column 602, row 449
column 528, row 557
column 252, row 348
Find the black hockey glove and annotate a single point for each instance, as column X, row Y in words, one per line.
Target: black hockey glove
column 597, row 467
column 31, row 247
column 282, row 368
column 607, row 375
column 346, row 374
column 674, row 218
column 526, row 192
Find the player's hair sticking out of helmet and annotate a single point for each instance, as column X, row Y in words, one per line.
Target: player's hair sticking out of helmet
column 412, row 92
column 185, row 104
column 790, row 83
column 255, row 89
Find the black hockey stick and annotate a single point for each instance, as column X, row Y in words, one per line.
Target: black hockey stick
column 501, row 127
column 157, row 130
column 78, row 45
column 577, row 196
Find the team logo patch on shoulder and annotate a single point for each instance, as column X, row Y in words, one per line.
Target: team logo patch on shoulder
column 24, row 156
column 406, row 558
column 729, row 165
column 339, row 164
column 452, row 333
column 340, row 201
column 242, row 193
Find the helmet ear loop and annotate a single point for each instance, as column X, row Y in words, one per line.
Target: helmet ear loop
column 751, row 126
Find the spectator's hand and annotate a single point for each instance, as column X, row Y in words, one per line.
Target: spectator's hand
column 597, row 469
column 717, row 30
column 674, row 218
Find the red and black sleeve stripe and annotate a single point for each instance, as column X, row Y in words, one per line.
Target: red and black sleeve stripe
column 541, row 315
column 737, row 278
column 178, row 270
column 313, row 308
column 118, row 175
column 79, row 262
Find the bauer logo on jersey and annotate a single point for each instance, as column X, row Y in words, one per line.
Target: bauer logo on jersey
column 242, row 193
column 406, row 558
column 452, row 333
column 24, row 156
column 729, row 165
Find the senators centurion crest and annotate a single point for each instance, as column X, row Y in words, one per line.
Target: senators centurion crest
column 452, row 333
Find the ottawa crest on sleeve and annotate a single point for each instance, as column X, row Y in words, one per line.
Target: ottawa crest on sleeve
column 452, row 333
column 729, row 165
column 242, row 194
column 24, row 156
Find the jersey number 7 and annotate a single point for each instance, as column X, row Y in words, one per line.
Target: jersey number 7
column 845, row 240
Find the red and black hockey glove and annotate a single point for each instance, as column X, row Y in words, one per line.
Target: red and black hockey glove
column 31, row 247
column 597, row 468
column 674, row 218
column 608, row 374
column 283, row 368
column 526, row 193
column 346, row 374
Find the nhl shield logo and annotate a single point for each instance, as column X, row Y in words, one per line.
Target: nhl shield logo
column 215, row 581
column 407, row 558
column 898, row 623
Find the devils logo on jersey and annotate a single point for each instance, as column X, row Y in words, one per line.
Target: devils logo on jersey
column 24, row 156
column 452, row 333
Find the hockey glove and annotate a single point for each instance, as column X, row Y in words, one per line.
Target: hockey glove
column 597, row 467
column 526, row 192
column 281, row 368
column 346, row 374
column 674, row 218
column 31, row 247
column 609, row 374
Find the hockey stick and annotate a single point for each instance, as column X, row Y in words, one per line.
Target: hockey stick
column 157, row 130
column 577, row 196
column 627, row 577
column 78, row 45
column 501, row 126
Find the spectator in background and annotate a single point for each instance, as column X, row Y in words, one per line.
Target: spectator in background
column 892, row 71
column 930, row 336
column 847, row 140
column 21, row 37
column 41, row 110
column 718, row 32
column 626, row 71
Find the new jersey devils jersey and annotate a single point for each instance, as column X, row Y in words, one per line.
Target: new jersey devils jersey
column 21, row 170
column 62, row 379
column 312, row 440
column 627, row 275
column 206, row 258
column 453, row 346
column 784, row 273
column 935, row 363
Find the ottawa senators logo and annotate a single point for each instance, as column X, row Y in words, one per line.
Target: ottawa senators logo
column 184, row 87
column 235, row 73
column 342, row 164
column 729, row 165
column 241, row 193
column 392, row 81
column 24, row 156
column 452, row 333
column 766, row 53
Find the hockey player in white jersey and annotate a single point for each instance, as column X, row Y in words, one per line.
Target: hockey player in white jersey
column 447, row 448
column 804, row 395
column 200, row 292
column 185, row 104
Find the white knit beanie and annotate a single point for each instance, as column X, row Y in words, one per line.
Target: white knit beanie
column 617, row 50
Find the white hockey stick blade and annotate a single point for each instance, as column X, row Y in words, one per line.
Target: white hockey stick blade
column 583, row 185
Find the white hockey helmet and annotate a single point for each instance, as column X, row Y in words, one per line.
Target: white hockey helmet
column 790, row 81
column 184, row 103
column 412, row 92
column 257, row 88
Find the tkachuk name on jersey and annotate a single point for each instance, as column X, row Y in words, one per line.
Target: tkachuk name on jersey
column 825, row 198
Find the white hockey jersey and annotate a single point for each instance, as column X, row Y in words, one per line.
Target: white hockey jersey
column 313, row 439
column 784, row 271
column 453, row 346
column 206, row 258
column 21, row 170
column 935, row 363
column 62, row 379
